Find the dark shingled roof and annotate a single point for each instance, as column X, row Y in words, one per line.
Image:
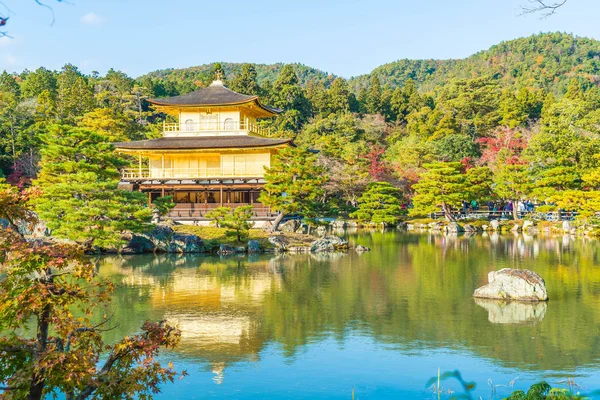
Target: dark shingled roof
column 214, row 95
column 201, row 142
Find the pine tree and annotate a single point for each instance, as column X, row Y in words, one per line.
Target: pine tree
column 379, row 204
column 75, row 96
column 318, row 96
column 80, row 199
column 289, row 96
column 339, row 96
column 513, row 182
column 294, row 184
column 373, row 100
column 246, row 82
column 444, row 186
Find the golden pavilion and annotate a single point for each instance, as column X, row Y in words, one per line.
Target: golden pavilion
column 214, row 156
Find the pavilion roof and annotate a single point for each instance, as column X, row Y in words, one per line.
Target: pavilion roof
column 202, row 143
column 216, row 94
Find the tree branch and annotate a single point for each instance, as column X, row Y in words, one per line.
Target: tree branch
column 542, row 6
column 12, row 387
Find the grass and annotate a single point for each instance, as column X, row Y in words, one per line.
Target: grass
column 213, row 237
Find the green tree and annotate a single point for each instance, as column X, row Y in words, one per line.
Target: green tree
column 443, row 185
column 245, row 82
column 75, row 97
column 217, row 215
column 513, row 182
column 164, row 204
column 339, row 96
column 552, row 180
column 474, row 103
column 294, row 184
column 379, row 204
column 456, row 148
column 237, row 222
column 374, row 93
column 287, row 94
column 80, row 199
column 35, row 83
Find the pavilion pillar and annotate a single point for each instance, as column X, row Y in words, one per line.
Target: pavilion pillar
column 149, row 198
column 140, row 164
column 162, row 190
column 221, row 195
column 163, row 165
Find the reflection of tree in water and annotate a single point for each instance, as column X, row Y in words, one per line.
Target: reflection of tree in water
column 410, row 290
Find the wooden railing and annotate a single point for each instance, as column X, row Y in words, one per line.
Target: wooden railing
column 188, row 173
column 189, row 128
column 503, row 214
column 199, row 211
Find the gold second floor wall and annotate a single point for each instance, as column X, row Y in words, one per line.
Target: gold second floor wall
column 206, row 165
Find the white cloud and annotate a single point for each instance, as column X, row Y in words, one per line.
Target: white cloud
column 10, row 60
column 7, row 41
column 92, row 19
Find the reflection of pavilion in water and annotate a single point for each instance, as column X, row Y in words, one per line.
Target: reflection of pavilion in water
column 219, row 317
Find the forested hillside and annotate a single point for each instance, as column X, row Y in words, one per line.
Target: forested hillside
column 541, row 61
column 184, row 80
column 532, row 102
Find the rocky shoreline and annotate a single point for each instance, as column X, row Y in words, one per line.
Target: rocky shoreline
column 504, row 226
column 163, row 238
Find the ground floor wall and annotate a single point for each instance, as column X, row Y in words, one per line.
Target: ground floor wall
column 193, row 203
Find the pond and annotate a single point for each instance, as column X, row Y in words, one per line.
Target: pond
column 381, row 323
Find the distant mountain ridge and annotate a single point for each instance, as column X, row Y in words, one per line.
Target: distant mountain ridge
column 546, row 60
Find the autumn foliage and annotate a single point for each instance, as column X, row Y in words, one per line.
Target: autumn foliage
column 50, row 342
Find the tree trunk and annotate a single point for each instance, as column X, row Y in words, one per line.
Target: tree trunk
column 515, row 211
column 36, row 390
column 276, row 223
column 448, row 213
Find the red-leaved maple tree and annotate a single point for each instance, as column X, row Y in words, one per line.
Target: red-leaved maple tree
column 49, row 341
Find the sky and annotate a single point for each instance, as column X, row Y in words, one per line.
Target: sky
column 342, row 37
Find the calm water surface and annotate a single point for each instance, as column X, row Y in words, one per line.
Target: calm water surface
column 316, row 326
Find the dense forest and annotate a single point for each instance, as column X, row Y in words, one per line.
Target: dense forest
column 526, row 109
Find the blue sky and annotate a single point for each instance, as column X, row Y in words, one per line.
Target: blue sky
column 344, row 37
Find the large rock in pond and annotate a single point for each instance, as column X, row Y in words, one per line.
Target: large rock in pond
column 183, row 243
column 495, row 224
column 454, row 227
column 161, row 236
column 162, row 239
column 513, row 312
column 513, row 284
column 469, row 228
column 527, row 224
column 290, row 226
column 277, row 242
column 253, row 247
column 226, row 249
column 361, row 249
column 138, row 244
column 338, row 224
column 328, row 243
